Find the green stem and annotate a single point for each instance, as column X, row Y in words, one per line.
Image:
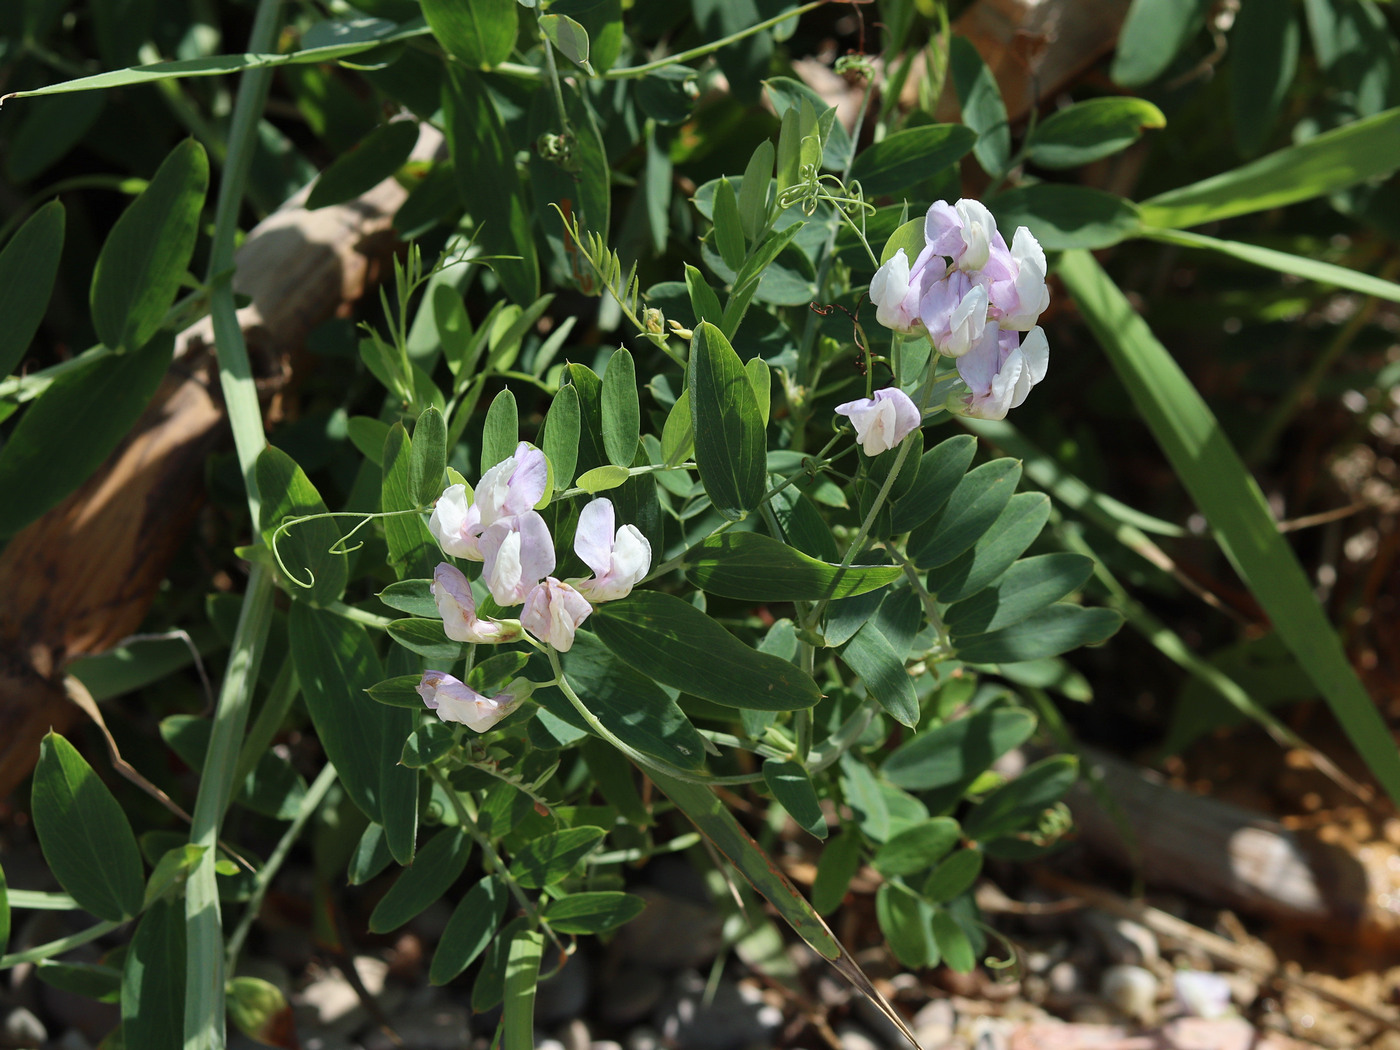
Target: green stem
column 274, row 710
column 314, row 794
column 839, row 742
column 58, row 947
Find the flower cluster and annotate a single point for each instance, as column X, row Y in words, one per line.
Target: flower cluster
column 499, row 526
column 976, row 300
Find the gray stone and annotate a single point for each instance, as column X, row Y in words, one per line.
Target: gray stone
column 853, row 1037
column 564, row 995
column 935, row 1023
column 1124, row 943
column 1202, row 994
column 443, row 1026
column 630, row 995
column 1132, row 991
column 21, row 1030
column 643, row 1038
column 548, row 1044
column 71, row 1040
column 735, row 1018
column 575, row 1036
column 885, row 1030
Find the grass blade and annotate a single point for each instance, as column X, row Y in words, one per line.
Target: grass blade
column 1231, row 501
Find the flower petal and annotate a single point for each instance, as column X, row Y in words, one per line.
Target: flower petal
column 593, row 540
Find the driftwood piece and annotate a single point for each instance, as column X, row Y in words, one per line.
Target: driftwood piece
column 1235, row 857
column 83, row 576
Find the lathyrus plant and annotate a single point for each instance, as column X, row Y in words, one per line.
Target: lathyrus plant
column 744, row 549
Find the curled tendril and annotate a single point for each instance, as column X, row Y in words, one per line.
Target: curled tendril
column 337, row 548
column 1007, row 970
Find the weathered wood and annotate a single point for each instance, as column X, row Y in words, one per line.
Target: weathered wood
column 83, row 576
column 1234, row 857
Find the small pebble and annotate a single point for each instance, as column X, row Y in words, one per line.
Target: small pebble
column 21, row 1030
column 575, row 1036
column 1202, row 994
column 854, row 1037
column 1131, row 990
column 935, row 1023
column 642, row 1038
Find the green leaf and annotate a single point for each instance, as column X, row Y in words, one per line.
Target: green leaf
column 1014, row 530
column 918, row 848
column 439, row 863
column 761, row 379
column 305, row 549
column 940, row 470
column 752, row 566
column 368, row 163
column 788, row 96
column 490, row 984
column 952, row 941
column 427, row 744
column 982, row 108
column 881, row 670
column 907, row 157
column 90, row 980
column 335, row 663
column 1231, row 501
column 667, row 95
column 629, row 704
column 1063, row 216
column 1053, row 630
column 48, row 129
column 428, row 457
column 676, row 644
column 729, row 229
column 703, row 299
column 602, row 19
column 371, row 855
column 414, row 597
column 1283, row 262
column 483, row 159
column 754, row 207
column 1154, row 31
column 906, row 920
column 28, row 266
column 561, row 434
column 480, row 34
column 425, row 637
column 570, row 38
column 1326, row 163
column 4, row 913
column 909, row 238
column 678, row 435
column 273, row 787
column 601, row 479
column 148, row 251
column 581, row 913
column 85, row 836
column 840, row 860
column 1028, row 586
column 622, row 413
column 521, row 980
column 1264, row 44
column 803, row 525
column 1091, row 130
column 548, row 859
column 153, row 980
column 49, row 454
column 958, row 752
column 954, row 876
column 968, row 514
column 501, row 432
column 793, row 789
column 1012, row 806
column 470, row 929
column 730, row 445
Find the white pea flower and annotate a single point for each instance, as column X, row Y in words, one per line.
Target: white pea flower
column 619, row 560
column 455, row 701
column 1000, row 372
column 457, row 606
column 955, row 313
column 1018, row 302
column 553, row 612
column 518, row 552
column 882, row 421
column 456, row 524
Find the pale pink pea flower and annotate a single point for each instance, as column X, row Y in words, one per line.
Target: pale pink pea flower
column 553, row 612
column 457, row 606
column 455, row 701
column 882, row 421
column 620, row 560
